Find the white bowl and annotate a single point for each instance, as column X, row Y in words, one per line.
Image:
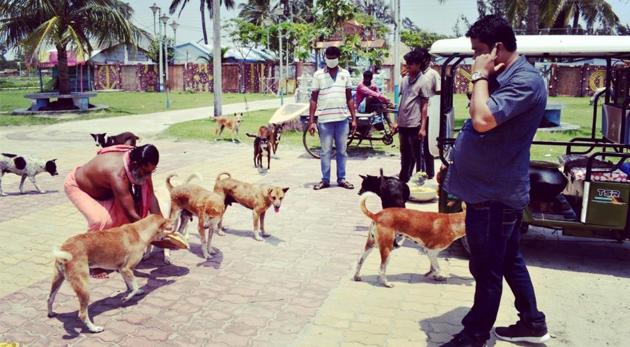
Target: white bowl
column 426, row 192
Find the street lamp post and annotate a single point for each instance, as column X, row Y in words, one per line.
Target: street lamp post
column 396, row 50
column 164, row 20
column 154, row 8
column 174, row 25
column 216, row 59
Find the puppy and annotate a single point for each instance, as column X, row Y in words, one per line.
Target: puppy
column 118, row 248
column 392, row 191
column 262, row 147
column 25, row 167
column 431, row 230
column 255, row 197
column 126, row 138
column 232, row 123
column 190, row 199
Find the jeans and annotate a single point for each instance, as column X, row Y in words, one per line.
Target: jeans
column 410, row 152
column 337, row 131
column 492, row 231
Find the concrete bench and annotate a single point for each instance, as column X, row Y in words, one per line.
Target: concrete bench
column 43, row 100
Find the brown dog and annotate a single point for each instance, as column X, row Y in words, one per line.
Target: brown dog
column 232, row 123
column 274, row 139
column 431, row 230
column 255, row 197
column 118, row 248
column 190, row 199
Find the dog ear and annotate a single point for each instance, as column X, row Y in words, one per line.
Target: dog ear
column 269, row 190
column 285, row 189
column 53, row 159
column 93, row 136
column 363, row 176
column 381, row 172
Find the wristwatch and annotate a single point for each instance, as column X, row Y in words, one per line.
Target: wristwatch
column 477, row 76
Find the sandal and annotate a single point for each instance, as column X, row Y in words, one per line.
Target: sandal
column 100, row 274
column 321, row 185
column 345, row 184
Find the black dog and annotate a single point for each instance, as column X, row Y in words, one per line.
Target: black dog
column 126, row 138
column 276, row 134
column 262, row 147
column 392, row 191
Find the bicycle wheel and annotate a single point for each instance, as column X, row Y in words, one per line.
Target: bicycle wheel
column 312, row 145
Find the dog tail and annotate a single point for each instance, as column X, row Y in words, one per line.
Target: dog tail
column 364, row 208
column 169, row 185
column 60, row 256
column 250, row 135
column 222, row 174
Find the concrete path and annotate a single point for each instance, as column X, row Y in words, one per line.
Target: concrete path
column 293, row 289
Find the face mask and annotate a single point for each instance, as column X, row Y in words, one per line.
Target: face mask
column 332, row 63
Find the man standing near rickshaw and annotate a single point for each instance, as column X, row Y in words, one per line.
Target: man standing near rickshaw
column 490, row 173
column 331, row 99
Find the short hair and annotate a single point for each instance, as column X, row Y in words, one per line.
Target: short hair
column 332, row 50
column 145, row 154
column 416, row 56
column 367, row 75
column 492, row 29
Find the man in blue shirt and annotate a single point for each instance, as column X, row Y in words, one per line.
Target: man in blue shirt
column 490, row 173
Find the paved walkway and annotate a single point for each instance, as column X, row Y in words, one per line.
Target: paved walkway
column 294, row 289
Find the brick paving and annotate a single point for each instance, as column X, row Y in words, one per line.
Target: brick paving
column 293, row 289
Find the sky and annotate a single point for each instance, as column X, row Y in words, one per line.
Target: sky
column 429, row 15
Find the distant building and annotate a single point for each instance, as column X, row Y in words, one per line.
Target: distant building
column 192, row 52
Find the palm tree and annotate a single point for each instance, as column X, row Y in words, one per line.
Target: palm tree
column 591, row 11
column 260, row 12
column 66, row 26
column 229, row 4
column 379, row 9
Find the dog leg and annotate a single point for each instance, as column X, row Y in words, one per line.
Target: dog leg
column 385, row 246
column 34, row 182
column 2, row 193
column 130, row 281
column 202, row 236
column 211, row 229
column 22, row 184
column 79, row 284
column 256, row 230
column 434, row 271
column 262, row 224
column 369, row 246
column 58, row 279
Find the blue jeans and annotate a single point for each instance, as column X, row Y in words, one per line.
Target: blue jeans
column 492, row 231
column 337, row 131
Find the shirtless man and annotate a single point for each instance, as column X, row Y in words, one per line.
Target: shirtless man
column 115, row 187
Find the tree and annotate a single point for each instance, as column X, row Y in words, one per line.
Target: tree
column 420, row 38
column 203, row 5
column 66, row 26
column 154, row 51
column 332, row 13
column 260, row 12
column 378, row 9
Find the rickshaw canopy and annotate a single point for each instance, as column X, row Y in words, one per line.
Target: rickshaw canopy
column 547, row 45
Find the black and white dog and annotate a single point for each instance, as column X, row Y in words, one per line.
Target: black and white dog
column 392, row 191
column 126, row 138
column 25, row 167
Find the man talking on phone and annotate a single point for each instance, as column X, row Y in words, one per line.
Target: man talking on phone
column 490, row 174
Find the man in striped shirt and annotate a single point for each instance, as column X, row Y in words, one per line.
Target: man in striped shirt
column 331, row 101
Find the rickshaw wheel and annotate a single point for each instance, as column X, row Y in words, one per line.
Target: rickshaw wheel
column 388, row 139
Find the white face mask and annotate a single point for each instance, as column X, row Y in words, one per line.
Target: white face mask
column 332, row 63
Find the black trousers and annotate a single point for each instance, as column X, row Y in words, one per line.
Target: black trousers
column 426, row 162
column 410, row 152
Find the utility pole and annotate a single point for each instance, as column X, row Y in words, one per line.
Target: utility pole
column 396, row 50
column 280, row 67
column 160, row 57
column 216, row 59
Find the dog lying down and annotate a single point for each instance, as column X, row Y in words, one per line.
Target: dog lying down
column 118, row 248
column 432, row 230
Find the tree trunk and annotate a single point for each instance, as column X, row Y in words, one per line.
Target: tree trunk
column 533, row 17
column 202, row 9
column 62, row 67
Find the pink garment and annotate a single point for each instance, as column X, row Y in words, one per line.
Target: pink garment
column 104, row 214
column 364, row 91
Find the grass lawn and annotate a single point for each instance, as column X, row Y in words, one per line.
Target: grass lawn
column 576, row 111
column 121, row 103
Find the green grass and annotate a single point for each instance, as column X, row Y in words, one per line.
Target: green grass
column 576, row 111
column 23, row 82
column 121, row 103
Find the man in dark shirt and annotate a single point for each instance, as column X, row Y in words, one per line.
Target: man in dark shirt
column 490, row 173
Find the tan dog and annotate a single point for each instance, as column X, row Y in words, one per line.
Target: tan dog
column 118, row 248
column 190, row 199
column 255, row 197
column 431, row 230
column 232, row 123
